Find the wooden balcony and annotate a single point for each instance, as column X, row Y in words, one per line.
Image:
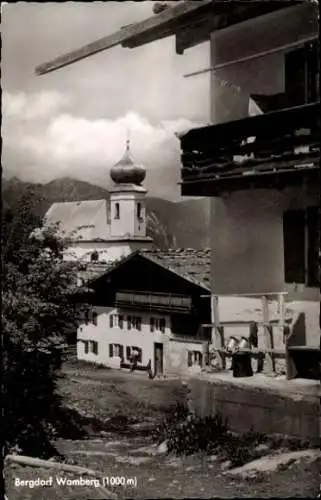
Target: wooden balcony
column 272, row 150
column 154, row 301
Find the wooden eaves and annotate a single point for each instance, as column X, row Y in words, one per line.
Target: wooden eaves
column 191, row 21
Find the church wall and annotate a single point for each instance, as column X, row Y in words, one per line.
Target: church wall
column 124, row 220
column 107, row 251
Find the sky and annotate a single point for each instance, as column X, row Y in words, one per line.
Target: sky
column 73, row 122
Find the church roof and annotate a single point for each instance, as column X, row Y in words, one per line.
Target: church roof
column 193, row 265
column 85, row 220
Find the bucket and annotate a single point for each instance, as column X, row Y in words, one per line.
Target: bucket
column 244, row 343
column 232, row 344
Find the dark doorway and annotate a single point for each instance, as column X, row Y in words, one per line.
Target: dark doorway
column 158, row 358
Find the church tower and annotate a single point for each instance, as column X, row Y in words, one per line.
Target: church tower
column 127, row 199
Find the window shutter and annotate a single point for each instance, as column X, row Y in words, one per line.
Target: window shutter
column 95, row 347
column 110, row 350
column 189, row 358
column 129, row 323
column 313, row 223
column 296, row 76
column 86, row 347
column 121, row 322
column 121, row 352
column 128, row 352
column 152, row 324
column 111, row 321
column 140, row 353
column 294, row 246
column 139, row 323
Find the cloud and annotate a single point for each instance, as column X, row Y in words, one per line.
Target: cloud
column 43, row 142
column 30, row 106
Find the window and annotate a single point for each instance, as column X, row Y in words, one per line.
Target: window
column 139, row 211
column 137, row 322
column 130, row 351
column 162, row 325
column 94, row 257
column 90, row 346
column 134, row 322
column 116, row 350
column 116, row 320
column 302, row 74
column 117, row 211
column 157, row 324
column 93, row 347
column 194, row 358
column 300, row 235
column 90, row 317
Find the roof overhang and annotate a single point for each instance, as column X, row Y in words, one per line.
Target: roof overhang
column 140, row 253
column 191, row 22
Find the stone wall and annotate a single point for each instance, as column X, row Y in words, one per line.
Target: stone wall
column 268, row 412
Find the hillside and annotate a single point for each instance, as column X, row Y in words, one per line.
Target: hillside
column 181, row 224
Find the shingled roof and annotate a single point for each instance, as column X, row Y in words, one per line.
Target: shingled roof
column 193, row 265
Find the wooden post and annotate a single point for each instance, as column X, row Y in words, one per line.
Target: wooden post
column 282, row 315
column 268, row 343
column 217, row 330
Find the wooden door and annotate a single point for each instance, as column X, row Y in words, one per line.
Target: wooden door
column 158, row 358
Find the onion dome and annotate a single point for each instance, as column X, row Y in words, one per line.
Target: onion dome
column 126, row 171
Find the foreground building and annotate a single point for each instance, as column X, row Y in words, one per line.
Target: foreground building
column 105, row 230
column 153, row 301
column 261, row 172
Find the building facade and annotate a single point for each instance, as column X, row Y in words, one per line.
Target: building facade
column 258, row 160
column 153, row 302
column 261, row 172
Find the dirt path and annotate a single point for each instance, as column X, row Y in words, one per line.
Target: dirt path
column 145, row 475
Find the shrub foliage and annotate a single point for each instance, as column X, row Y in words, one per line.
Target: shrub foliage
column 37, row 312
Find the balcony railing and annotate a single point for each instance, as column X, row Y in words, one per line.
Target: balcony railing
column 269, row 150
column 154, row 301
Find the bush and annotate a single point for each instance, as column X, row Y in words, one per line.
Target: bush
column 38, row 313
column 240, row 449
column 185, row 433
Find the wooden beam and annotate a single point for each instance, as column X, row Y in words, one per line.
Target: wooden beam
column 217, row 330
column 268, row 338
column 158, row 21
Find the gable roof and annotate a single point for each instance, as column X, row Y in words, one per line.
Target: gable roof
column 194, row 265
column 82, row 220
column 188, row 263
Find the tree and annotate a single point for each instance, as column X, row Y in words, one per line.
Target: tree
column 38, row 310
